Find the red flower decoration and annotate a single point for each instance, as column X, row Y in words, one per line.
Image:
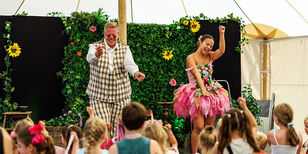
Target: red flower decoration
column 37, row 139
column 172, row 82
column 149, row 112
column 72, row 43
column 79, row 53
column 36, row 130
column 92, row 29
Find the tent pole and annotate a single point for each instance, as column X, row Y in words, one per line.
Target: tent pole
column 265, row 70
column 122, row 21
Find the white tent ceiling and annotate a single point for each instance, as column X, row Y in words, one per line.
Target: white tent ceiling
column 276, row 13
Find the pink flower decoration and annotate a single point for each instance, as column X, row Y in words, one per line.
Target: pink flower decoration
column 13, row 134
column 206, row 80
column 210, row 71
column 149, row 112
column 172, row 82
column 203, row 72
column 202, row 67
column 92, row 29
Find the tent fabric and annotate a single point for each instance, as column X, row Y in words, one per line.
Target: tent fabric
column 288, row 73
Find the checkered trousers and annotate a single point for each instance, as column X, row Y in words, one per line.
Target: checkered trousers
column 109, row 112
column 105, row 85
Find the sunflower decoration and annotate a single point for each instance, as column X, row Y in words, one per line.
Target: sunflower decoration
column 194, row 26
column 14, row 50
column 185, row 22
column 167, row 54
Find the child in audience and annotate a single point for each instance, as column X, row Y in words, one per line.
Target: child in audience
column 156, row 132
column 133, row 118
column 261, row 141
column 172, row 140
column 20, row 124
column 6, row 142
column 66, row 132
column 208, row 139
column 285, row 140
column 95, row 133
column 305, row 144
column 108, row 143
column 237, row 131
column 32, row 140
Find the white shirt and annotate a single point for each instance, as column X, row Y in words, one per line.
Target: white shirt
column 129, row 63
column 239, row 146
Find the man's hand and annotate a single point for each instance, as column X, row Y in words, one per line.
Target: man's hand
column 139, row 76
column 99, row 51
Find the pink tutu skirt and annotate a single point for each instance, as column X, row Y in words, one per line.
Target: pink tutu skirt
column 189, row 101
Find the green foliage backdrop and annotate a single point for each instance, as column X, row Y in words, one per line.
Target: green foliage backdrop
column 147, row 43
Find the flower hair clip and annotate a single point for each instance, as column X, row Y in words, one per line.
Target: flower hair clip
column 199, row 39
column 13, row 134
column 36, row 130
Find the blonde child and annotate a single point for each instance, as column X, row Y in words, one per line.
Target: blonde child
column 208, row 139
column 285, row 140
column 305, row 144
column 261, row 141
column 95, row 133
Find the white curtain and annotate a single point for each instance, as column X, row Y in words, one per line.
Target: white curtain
column 288, row 73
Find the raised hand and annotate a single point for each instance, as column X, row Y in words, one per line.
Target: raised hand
column 242, row 102
column 90, row 111
column 222, row 29
column 99, row 51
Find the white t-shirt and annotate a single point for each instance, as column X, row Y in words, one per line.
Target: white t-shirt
column 239, row 146
column 173, row 152
column 83, row 150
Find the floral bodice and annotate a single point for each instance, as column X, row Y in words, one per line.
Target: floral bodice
column 206, row 72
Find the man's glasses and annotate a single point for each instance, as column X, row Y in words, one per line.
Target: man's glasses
column 111, row 35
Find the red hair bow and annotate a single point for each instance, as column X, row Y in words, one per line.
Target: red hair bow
column 35, row 130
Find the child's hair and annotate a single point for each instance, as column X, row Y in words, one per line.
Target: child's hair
column 157, row 133
column 305, row 119
column 261, row 140
column 284, row 114
column 235, row 120
column 94, row 130
column 134, row 115
column 208, row 137
column 23, row 123
column 25, row 137
column 67, row 129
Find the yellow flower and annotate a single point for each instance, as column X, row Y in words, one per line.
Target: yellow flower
column 194, row 26
column 14, row 50
column 185, row 22
column 167, row 54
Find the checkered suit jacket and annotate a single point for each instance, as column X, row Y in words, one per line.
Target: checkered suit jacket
column 105, row 85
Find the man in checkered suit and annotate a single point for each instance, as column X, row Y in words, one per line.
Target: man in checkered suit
column 109, row 87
